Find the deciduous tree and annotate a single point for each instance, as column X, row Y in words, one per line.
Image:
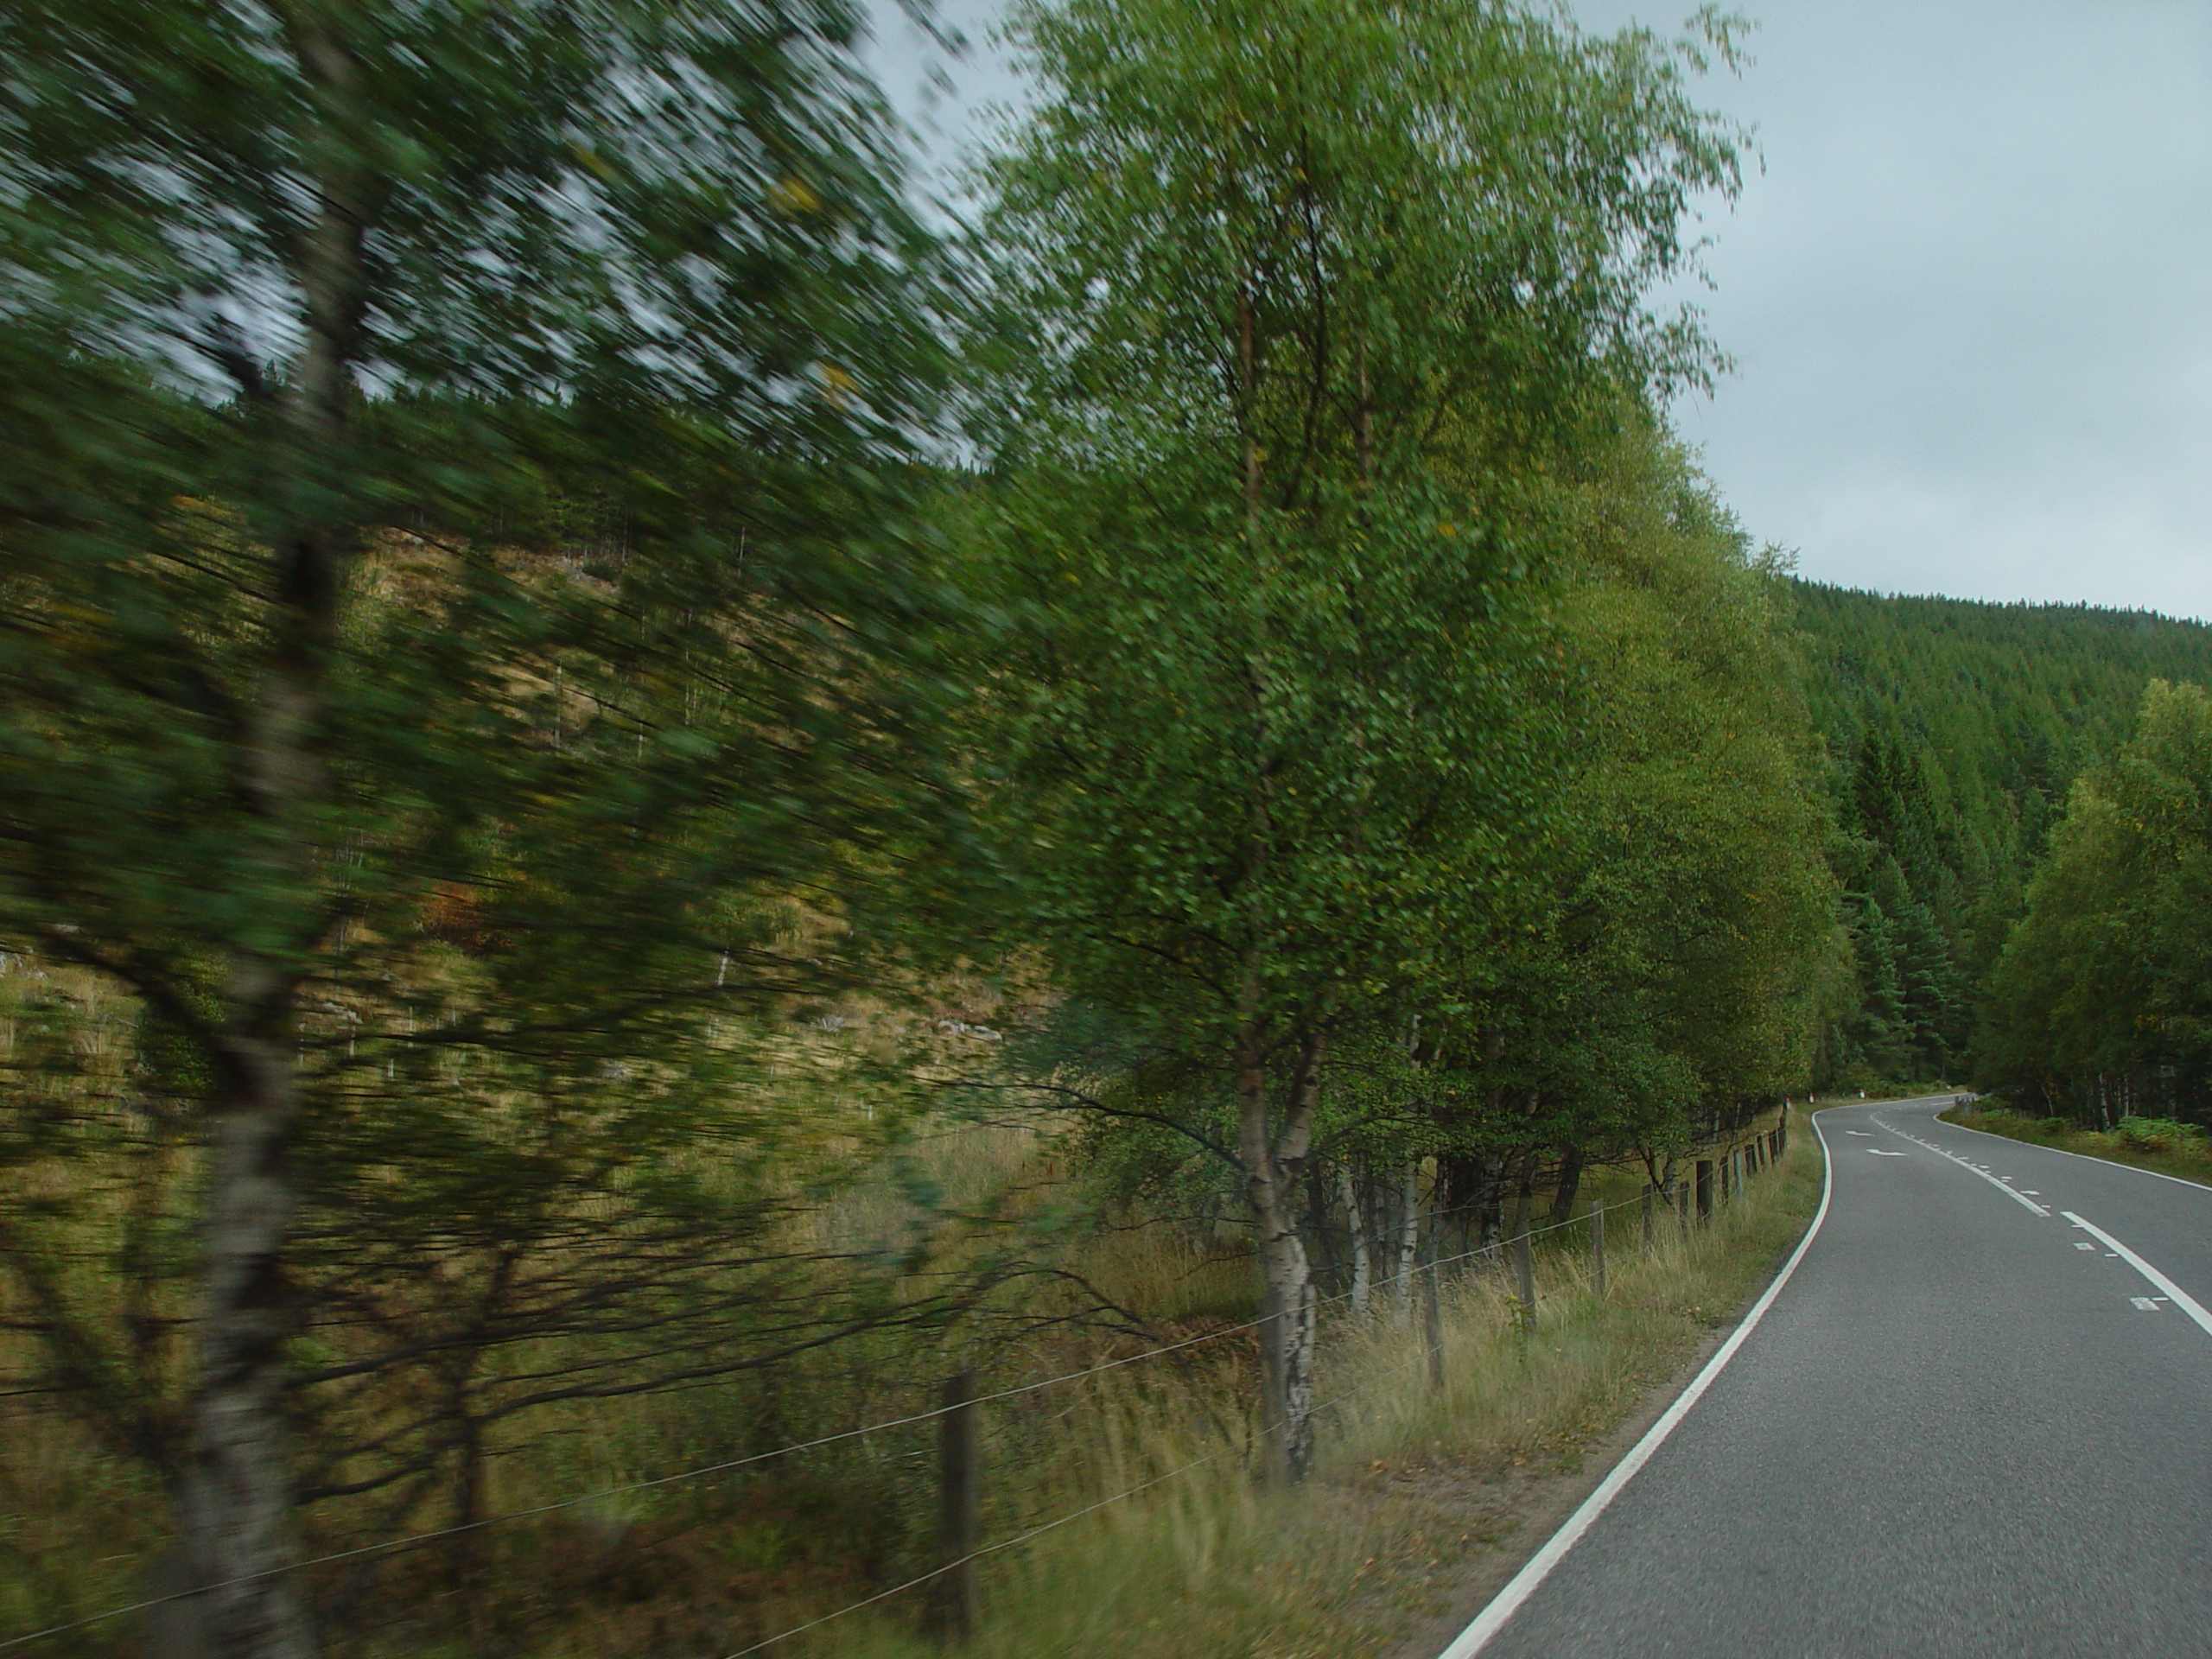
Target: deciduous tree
column 1302, row 297
column 443, row 505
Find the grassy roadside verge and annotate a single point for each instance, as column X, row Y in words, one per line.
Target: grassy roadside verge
column 1421, row 1498
column 2154, row 1144
column 1416, row 1487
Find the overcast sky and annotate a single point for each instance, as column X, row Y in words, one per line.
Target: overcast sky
column 1970, row 297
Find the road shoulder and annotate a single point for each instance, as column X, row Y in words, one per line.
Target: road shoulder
column 1511, row 1516
column 1505, row 1519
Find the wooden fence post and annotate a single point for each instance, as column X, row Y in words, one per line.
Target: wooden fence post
column 952, row 1594
column 1705, row 1189
column 1431, row 1313
column 174, row 1628
column 1525, row 1270
column 1647, row 1215
column 1598, row 1250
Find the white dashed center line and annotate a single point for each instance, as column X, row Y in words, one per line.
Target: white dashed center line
column 2181, row 1298
column 1982, row 1170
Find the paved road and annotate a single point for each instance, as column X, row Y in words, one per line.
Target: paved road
column 1956, row 1432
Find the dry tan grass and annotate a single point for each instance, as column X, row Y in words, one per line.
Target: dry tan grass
column 1413, row 1482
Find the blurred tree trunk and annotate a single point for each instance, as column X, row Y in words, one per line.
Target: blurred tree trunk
column 1407, row 1251
column 238, row 1488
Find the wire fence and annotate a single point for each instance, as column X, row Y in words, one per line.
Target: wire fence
column 1312, row 1410
column 393, row 1546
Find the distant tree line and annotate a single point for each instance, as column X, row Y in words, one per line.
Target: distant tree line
column 2100, row 1004
column 1954, row 733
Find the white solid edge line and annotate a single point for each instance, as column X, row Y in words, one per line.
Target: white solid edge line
column 2087, row 1158
column 2181, row 1299
column 1507, row 1602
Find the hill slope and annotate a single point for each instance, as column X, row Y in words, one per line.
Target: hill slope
column 1954, row 729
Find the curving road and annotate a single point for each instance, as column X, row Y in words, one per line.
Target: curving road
column 1976, row 1419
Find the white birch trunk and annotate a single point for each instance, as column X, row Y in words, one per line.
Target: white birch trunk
column 1363, row 1265
column 1273, row 1160
column 236, row 1495
column 1408, row 1239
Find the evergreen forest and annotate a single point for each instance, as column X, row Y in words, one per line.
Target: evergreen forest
column 666, row 813
column 1954, row 734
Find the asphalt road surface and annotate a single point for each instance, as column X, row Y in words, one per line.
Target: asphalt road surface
column 1976, row 1419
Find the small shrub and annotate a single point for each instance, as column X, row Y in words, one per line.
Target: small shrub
column 2158, row 1134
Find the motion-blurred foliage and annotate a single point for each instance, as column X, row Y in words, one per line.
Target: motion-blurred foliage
column 454, row 486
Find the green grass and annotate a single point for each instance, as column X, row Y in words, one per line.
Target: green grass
column 2152, row 1143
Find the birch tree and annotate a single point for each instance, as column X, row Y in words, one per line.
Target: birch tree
column 441, row 490
column 1298, row 300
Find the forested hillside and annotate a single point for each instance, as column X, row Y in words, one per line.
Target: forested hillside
column 1954, row 731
